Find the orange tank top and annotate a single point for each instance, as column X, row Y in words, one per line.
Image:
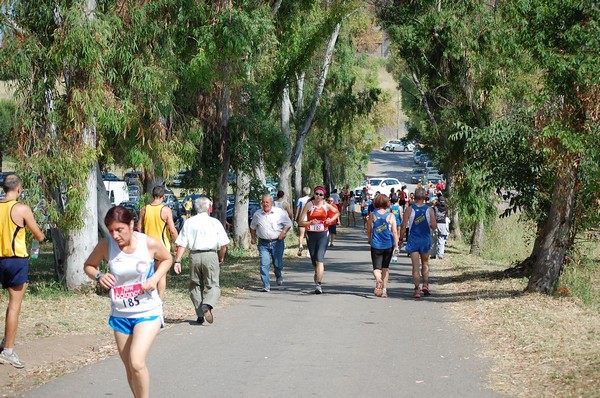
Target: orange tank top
column 317, row 213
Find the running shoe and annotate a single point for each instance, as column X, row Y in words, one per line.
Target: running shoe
column 384, row 293
column 208, row 316
column 318, row 289
column 425, row 290
column 417, row 293
column 11, row 359
column 280, row 281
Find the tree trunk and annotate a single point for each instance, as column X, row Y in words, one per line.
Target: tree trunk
column 81, row 242
column 326, row 170
column 103, row 202
column 477, row 241
column 455, row 224
column 297, row 179
column 241, row 230
column 555, row 238
column 285, row 171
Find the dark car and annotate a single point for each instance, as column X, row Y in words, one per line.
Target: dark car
column 253, row 206
column 434, row 178
column 110, row 177
column 132, row 177
column 133, row 208
column 417, row 174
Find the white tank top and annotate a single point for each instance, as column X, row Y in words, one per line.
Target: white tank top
column 131, row 271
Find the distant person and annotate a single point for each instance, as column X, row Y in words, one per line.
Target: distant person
column 421, row 219
column 136, row 262
column 333, row 224
column 335, row 196
column 156, row 220
column 396, row 211
column 316, row 220
column 14, row 261
column 283, row 204
column 207, row 241
column 345, row 200
column 441, row 232
column 364, row 210
column 188, row 205
column 382, row 233
column 351, row 209
column 299, row 207
column 402, row 197
column 271, row 225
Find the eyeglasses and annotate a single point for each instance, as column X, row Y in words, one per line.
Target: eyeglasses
column 319, row 194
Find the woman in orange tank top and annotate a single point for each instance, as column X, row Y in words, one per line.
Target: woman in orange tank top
column 317, row 224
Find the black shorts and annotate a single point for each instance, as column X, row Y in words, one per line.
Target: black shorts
column 333, row 229
column 381, row 258
column 14, row 271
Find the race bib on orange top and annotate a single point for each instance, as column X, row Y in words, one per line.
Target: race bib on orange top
column 316, row 227
column 127, row 296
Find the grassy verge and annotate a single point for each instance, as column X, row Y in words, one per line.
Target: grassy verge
column 541, row 346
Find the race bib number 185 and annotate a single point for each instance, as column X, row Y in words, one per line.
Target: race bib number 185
column 127, row 296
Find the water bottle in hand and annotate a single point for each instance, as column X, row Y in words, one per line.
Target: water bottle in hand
column 35, row 249
column 395, row 257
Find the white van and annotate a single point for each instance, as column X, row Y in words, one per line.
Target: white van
column 117, row 191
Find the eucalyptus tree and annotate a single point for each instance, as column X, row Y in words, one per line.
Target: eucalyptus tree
column 562, row 38
column 349, row 115
column 7, row 122
column 440, row 51
column 308, row 32
column 54, row 50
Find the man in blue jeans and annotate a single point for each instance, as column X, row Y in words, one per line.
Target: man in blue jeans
column 270, row 225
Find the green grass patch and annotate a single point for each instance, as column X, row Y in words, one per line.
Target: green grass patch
column 509, row 239
column 581, row 276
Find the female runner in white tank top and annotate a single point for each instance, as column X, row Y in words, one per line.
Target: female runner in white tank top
column 136, row 310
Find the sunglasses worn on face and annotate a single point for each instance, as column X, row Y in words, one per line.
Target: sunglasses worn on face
column 319, row 194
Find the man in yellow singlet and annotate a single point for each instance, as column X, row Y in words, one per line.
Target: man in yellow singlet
column 156, row 220
column 14, row 261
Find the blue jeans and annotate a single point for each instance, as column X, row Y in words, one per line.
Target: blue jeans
column 270, row 250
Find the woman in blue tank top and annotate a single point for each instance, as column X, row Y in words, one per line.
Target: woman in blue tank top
column 382, row 234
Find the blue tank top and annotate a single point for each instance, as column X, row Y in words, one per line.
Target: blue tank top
column 381, row 236
column 419, row 222
column 396, row 212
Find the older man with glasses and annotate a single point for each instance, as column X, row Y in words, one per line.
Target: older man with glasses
column 271, row 225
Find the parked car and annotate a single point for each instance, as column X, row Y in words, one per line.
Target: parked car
column 110, row 177
column 434, row 178
column 135, row 189
column 133, row 208
column 253, row 206
column 178, row 179
column 132, row 177
column 379, row 184
column 417, row 174
column 423, row 159
column 393, row 146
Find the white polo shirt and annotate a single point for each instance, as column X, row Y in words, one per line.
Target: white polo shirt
column 270, row 225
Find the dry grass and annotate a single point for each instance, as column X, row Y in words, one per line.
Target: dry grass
column 541, row 346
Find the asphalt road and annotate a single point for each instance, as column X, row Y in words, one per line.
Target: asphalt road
column 293, row 343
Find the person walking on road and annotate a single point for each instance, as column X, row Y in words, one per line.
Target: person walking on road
column 136, row 262
column 271, row 225
column 441, row 232
column 317, row 223
column 14, row 261
column 188, row 205
column 207, row 240
column 156, row 220
column 350, row 209
column 333, row 225
column 299, row 207
column 382, row 235
column 421, row 220
column 283, row 204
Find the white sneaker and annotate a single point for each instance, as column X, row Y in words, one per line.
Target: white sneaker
column 11, row 359
column 318, row 289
